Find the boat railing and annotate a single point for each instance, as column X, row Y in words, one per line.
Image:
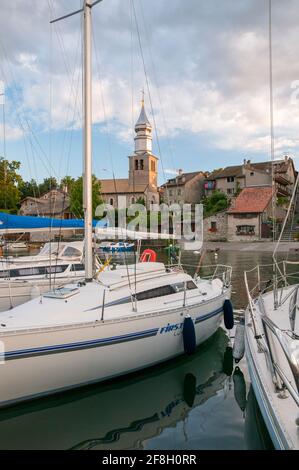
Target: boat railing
column 286, row 343
column 213, row 271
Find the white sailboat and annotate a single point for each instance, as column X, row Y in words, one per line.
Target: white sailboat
column 25, row 277
column 272, row 346
column 128, row 319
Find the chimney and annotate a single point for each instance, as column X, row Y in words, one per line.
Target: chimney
column 180, row 171
column 244, row 161
column 286, row 158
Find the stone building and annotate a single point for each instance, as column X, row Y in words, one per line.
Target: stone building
column 143, row 172
column 249, row 219
column 232, row 179
column 54, row 203
column 185, row 188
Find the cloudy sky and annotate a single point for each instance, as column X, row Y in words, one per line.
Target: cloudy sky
column 207, row 86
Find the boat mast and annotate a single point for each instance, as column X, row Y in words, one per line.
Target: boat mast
column 87, row 161
column 87, row 133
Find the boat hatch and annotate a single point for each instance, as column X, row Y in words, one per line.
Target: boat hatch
column 62, row 293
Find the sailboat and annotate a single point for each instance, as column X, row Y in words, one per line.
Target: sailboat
column 272, row 345
column 127, row 319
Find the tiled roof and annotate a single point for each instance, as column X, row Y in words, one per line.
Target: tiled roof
column 281, row 166
column 181, row 179
column 235, row 171
column 252, row 200
column 121, row 186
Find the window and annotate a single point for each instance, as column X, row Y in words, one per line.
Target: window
column 170, row 192
column 165, row 290
column 252, row 173
column 179, row 192
column 28, row 271
column 153, row 293
column 214, row 225
column 4, row 274
column 136, row 164
column 111, row 202
column 77, row 267
column 55, row 269
column 230, row 179
column 245, row 230
column 133, row 200
column 141, row 165
column 71, row 252
column 230, row 191
column 180, row 286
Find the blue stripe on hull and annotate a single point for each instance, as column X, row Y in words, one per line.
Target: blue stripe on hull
column 23, row 353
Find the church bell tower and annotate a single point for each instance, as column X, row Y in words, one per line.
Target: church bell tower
column 143, row 164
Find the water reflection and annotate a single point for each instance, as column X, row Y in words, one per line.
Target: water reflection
column 122, row 414
column 196, row 402
column 255, row 432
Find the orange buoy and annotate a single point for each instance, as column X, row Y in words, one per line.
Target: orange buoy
column 148, row 256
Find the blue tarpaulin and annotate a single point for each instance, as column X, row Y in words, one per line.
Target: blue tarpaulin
column 21, row 223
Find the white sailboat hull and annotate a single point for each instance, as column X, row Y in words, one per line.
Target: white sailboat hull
column 279, row 410
column 59, row 358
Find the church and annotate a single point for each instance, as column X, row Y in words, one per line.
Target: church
column 142, row 184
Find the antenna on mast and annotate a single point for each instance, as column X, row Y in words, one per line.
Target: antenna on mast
column 87, row 161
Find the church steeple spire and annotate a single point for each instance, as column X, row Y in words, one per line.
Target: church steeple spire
column 143, row 129
column 143, row 119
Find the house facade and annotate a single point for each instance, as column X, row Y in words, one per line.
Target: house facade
column 185, row 188
column 249, row 219
column 232, row 179
column 141, row 185
column 54, row 203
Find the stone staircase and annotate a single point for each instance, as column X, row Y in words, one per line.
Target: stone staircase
column 292, row 227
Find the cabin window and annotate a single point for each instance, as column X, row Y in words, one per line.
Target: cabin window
column 77, row 267
column 153, row 293
column 70, row 251
column 180, row 286
column 4, row 274
column 165, row 290
column 56, row 269
column 28, row 271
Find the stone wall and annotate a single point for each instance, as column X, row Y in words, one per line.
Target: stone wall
column 215, row 227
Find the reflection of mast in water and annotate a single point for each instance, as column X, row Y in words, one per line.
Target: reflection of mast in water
column 122, row 414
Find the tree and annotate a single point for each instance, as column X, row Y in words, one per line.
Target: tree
column 47, row 185
column 67, row 182
column 76, row 195
column 217, row 202
column 29, row 189
column 10, row 180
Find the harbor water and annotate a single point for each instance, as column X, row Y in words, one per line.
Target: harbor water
column 199, row 402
